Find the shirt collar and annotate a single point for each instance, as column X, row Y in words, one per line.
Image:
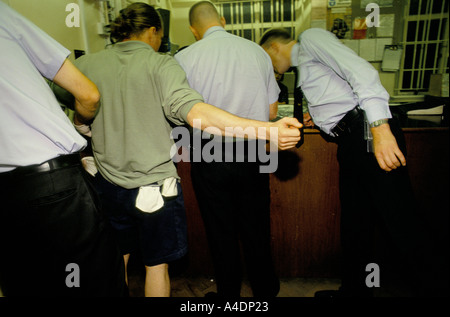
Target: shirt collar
column 212, row 30
column 295, row 52
column 131, row 45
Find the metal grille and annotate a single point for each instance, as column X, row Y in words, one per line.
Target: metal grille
column 250, row 19
column 425, row 42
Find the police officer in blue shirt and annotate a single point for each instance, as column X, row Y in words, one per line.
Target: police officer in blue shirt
column 348, row 103
column 53, row 239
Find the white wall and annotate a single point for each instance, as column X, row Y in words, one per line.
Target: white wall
column 179, row 22
column 50, row 16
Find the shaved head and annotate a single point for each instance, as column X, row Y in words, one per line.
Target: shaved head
column 202, row 14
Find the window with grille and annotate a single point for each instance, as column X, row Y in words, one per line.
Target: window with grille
column 250, row 19
column 425, row 33
column 425, row 41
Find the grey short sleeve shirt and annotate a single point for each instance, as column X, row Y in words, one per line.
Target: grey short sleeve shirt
column 143, row 94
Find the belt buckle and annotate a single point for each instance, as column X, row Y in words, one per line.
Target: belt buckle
column 44, row 167
column 339, row 129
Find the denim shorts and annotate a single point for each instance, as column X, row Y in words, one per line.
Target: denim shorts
column 161, row 236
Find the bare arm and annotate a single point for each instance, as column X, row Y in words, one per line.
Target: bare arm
column 273, row 110
column 84, row 90
column 287, row 129
column 387, row 152
column 307, row 120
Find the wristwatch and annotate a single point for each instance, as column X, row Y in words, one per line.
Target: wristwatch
column 378, row 123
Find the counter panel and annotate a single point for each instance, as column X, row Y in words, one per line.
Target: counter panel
column 305, row 206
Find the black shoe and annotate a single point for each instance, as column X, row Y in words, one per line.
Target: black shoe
column 329, row 294
column 343, row 294
column 211, row 295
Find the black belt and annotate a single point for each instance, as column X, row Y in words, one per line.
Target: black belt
column 344, row 126
column 50, row 165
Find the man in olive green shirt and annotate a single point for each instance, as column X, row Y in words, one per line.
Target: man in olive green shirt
column 133, row 147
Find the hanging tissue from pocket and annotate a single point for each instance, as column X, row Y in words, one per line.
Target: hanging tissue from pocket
column 169, row 187
column 150, row 197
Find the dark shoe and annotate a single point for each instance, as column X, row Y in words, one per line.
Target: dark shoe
column 329, row 294
column 211, row 295
column 342, row 294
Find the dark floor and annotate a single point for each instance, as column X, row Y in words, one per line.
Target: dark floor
column 198, row 286
column 187, row 285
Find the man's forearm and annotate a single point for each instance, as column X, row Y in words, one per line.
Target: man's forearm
column 285, row 132
column 213, row 117
column 84, row 90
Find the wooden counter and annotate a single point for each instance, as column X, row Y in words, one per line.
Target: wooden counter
column 305, row 208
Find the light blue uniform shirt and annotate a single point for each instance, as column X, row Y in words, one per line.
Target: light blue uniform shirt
column 33, row 127
column 231, row 73
column 334, row 80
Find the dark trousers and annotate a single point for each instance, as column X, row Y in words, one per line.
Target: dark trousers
column 53, row 235
column 234, row 200
column 371, row 196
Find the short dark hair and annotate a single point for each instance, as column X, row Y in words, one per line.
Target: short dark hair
column 133, row 20
column 275, row 34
